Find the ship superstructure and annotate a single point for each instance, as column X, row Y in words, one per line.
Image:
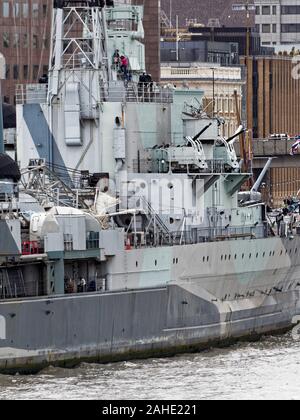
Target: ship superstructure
column 129, row 235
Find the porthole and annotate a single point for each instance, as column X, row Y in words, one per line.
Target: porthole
column 281, row 252
column 250, row 256
column 207, row 259
column 155, row 262
column 257, row 255
column 273, row 254
column 225, row 257
column 264, row 254
column 235, row 257
column 136, row 264
column 203, row 259
column 243, row 256
column 221, row 257
column 229, row 257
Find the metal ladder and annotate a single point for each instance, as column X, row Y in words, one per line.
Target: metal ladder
column 152, row 216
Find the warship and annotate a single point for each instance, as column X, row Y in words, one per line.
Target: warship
column 123, row 230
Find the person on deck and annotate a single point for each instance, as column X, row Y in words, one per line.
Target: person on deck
column 124, row 66
column 116, row 59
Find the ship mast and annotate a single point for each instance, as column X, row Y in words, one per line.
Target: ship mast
column 78, row 40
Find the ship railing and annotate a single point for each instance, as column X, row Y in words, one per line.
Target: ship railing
column 196, row 236
column 31, row 93
column 137, row 93
column 214, row 166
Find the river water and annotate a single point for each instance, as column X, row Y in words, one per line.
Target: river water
column 268, row 369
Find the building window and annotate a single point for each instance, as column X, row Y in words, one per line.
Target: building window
column 257, row 10
column 45, row 10
column 25, row 41
column 35, row 72
column 274, row 10
column 266, row 28
column 25, row 72
column 274, row 28
column 16, row 42
column 35, row 10
column 16, row 10
column 290, row 28
column 34, row 41
column 290, row 10
column 16, row 72
column 266, row 10
column 7, row 71
column 5, row 40
column 25, row 10
column 45, row 43
column 5, row 9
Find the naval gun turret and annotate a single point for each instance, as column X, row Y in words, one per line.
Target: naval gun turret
column 225, row 150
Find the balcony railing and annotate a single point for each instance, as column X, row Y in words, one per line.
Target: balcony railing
column 230, row 73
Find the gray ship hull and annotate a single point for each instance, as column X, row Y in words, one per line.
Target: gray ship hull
column 116, row 326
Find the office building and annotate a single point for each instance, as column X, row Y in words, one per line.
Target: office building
column 278, row 21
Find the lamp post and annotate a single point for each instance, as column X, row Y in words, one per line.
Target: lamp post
column 2, row 76
column 177, row 39
column 213, row 80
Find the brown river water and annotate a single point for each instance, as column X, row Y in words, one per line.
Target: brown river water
column 268, row 369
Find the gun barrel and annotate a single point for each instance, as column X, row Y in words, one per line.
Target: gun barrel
column 202, row 131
